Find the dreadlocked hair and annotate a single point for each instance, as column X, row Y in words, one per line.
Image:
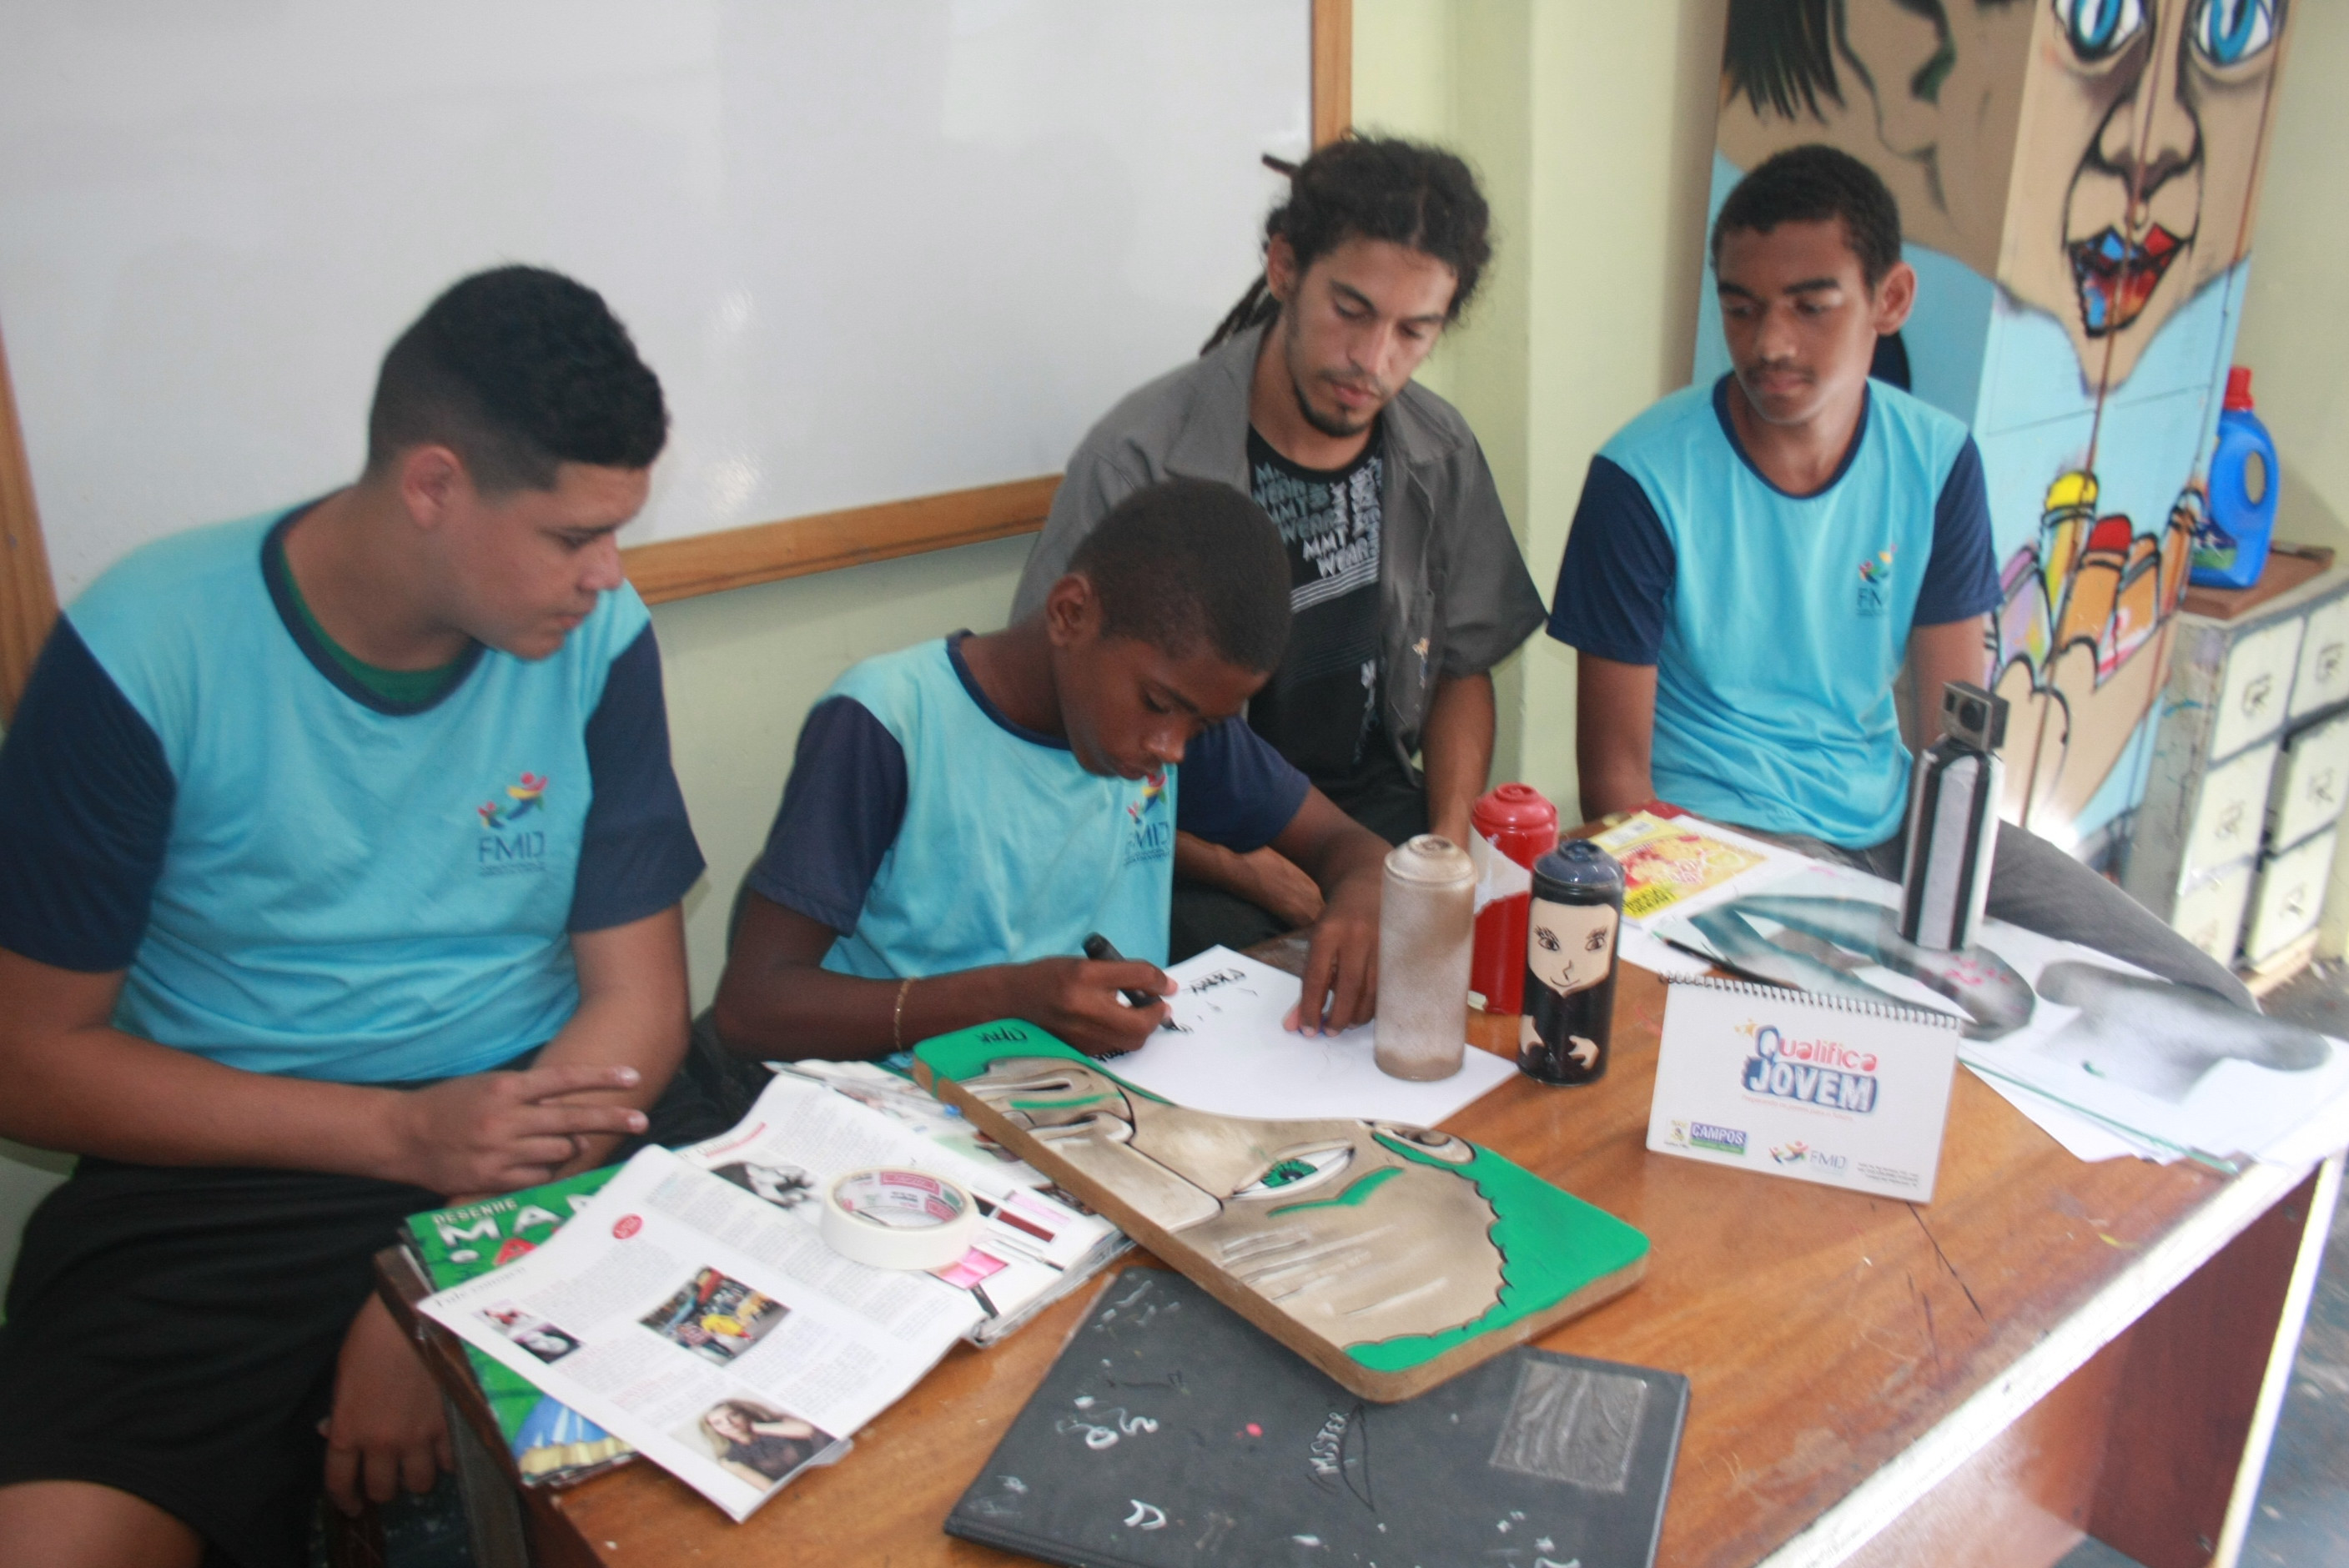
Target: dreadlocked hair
column 1374, row 187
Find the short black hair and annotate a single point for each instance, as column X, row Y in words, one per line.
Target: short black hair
column 1375, row 188
column 517, row 370
column 1187, row 561
column 1811, row 184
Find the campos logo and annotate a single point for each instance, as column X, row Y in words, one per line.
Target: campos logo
column 1706, row 1135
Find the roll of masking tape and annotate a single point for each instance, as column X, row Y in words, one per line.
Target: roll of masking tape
column 893, row 1219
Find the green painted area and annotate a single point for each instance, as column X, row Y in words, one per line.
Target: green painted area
column 1285, row 1173
column 1552, row 1243
column 1354, row 1193
column 969, row 1053
column 1057, row 1104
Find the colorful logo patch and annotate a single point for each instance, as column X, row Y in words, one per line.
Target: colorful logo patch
column 1875, row 581
column 1153, row 838
column 521, row 800
column 1154, row 791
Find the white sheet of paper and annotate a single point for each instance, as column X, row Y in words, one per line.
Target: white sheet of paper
column 1232, row 1056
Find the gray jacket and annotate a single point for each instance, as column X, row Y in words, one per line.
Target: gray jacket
column 1455, row 597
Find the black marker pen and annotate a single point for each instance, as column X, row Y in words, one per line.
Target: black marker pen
column 1100, row 949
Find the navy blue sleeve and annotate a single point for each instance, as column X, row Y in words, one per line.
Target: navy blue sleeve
column 86, row 797
column 840, row 814
column 637, row 853
column 1235, row 790
column 1615, row 585
column 1961, row 579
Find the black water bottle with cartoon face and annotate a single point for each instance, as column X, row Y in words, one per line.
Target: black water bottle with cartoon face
column 1578, row 907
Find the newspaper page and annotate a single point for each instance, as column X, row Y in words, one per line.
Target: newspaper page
column 729, row 1350
column 802, row 1136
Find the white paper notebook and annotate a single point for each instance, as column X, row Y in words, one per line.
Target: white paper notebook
column 1228, row 1053
column 1788, row 1083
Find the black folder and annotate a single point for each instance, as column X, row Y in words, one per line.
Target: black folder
column 1171, row 1432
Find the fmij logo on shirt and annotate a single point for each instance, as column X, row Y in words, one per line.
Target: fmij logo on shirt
column 1876, row 581
column 1153, row 838
column 506, row 850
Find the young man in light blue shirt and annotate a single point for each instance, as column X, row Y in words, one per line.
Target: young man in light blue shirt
column 1752, row 562
column 340, row 880
column 962, row 814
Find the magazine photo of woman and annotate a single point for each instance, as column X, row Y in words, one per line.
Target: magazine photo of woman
column 761, row 1444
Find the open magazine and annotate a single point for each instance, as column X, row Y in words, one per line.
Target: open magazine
column 810, row 1129
column 733, row 1349
column 551, row 1443
column 695, row 1310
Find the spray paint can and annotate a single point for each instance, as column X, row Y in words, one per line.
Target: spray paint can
column 1570, row 997
column 1427, row 918
column 1514, row 826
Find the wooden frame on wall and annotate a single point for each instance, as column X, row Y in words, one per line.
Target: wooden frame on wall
column 669, row 568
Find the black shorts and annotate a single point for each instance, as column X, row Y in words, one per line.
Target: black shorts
column 172, row 1332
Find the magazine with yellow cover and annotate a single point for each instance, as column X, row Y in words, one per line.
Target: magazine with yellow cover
column 1666, row 861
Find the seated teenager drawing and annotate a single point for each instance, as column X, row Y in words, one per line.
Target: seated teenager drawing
column 1752, row 562
column 340, row 880
column 962, row 813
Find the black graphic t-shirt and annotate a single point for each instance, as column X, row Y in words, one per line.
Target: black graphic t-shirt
column 1320, row 709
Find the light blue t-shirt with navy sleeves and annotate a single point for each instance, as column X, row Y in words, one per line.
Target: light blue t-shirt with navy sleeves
column 934, row 834
column 1777, row 623
column 301, row 878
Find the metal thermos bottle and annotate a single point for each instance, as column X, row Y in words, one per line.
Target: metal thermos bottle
column 1425, row 918
column 1514, row 826
column 1953, row 821
column 1569, row 1000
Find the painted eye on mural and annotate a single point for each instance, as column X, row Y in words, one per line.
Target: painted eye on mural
column 2228, row 32
column 1427, row 1141
column 2099, row 28
column 1298, row 1171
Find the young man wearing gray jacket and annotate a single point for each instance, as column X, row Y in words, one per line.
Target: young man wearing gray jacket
column 1406, row 585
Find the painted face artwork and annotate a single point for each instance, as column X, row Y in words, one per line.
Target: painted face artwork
column 1570, row 947
column 2138, row 123
column 2160, row 106
column 1304, row 1211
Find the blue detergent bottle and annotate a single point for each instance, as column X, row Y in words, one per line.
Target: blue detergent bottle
column 2230, row 548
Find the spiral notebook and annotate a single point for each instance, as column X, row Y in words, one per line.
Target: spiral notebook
column 1821, row 1088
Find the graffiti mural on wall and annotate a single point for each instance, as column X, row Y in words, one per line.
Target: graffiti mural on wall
column 2077, row 181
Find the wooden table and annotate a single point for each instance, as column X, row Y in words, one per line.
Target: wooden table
column 2046, row 1348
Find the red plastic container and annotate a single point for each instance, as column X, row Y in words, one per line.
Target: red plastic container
column 1515, row 820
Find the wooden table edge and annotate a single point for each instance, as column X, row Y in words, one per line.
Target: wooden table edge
column 1876, row 1504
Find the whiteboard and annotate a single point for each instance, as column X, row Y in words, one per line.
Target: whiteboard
column 873, row 248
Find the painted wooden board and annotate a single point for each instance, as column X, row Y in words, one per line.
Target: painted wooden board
column 1391, row 1257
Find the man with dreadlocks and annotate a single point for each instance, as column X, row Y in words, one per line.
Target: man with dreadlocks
column 1405, row 582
